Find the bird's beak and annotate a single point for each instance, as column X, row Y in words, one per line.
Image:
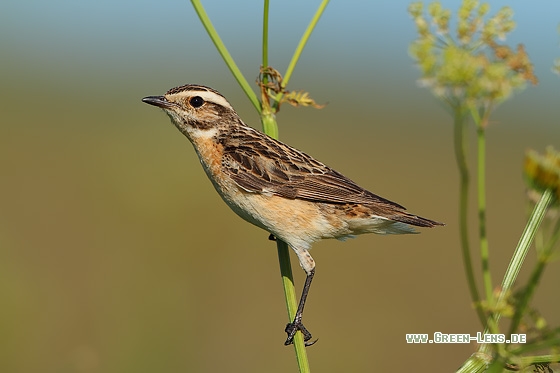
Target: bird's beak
column 159, row 101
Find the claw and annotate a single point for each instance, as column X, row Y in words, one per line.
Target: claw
column 291, row 330
column 307, row 344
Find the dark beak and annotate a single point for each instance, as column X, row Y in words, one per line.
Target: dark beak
column 159, row 101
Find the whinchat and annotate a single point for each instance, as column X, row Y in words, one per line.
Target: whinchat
column 282, row 190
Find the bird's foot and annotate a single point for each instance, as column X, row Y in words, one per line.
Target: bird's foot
column 272, row 237
column 291, row 330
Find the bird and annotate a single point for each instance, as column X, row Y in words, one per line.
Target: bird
column 276, row 187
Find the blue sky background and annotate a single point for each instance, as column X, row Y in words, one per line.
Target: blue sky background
column 363, row 43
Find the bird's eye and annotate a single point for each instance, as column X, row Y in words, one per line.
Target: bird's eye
column 196, row 101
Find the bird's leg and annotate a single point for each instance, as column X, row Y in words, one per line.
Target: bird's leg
column 272, row 237
column 294, row 326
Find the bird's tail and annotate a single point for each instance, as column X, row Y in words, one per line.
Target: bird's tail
column 401, row 223
column 405, row 223
column 415, row 220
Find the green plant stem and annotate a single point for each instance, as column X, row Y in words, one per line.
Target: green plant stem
column 525, row 242
column 460, row 127
column 268, row 119
column 291, row 303
column 491, row 322
column 543, row 257
column 481, row 183
column 519, row 255
column 265, row 40
column 477, row 362
column 225, row 54
column 299, row 49
column 521, row 363
column 481, row 122
column 539, row 345
column 541, row 359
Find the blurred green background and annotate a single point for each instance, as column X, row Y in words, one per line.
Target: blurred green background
column 116, row 254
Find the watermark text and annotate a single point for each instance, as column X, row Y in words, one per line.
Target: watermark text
column 465, row 338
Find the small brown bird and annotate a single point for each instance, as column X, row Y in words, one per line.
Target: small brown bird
column 276, row 187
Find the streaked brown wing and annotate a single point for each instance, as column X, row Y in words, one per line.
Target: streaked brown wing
column 264, row 165
column 333, row 187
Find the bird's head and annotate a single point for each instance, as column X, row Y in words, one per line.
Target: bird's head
column 196, row 110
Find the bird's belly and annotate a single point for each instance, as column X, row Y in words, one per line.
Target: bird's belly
column 295, row 221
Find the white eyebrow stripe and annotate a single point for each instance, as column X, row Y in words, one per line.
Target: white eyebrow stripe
column 207, row 96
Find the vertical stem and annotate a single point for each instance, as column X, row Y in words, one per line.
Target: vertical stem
column 481, row 183
column 291, row 302
column 491, row 322
column 268, row 121
column 265, row 40
column 460, row 149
